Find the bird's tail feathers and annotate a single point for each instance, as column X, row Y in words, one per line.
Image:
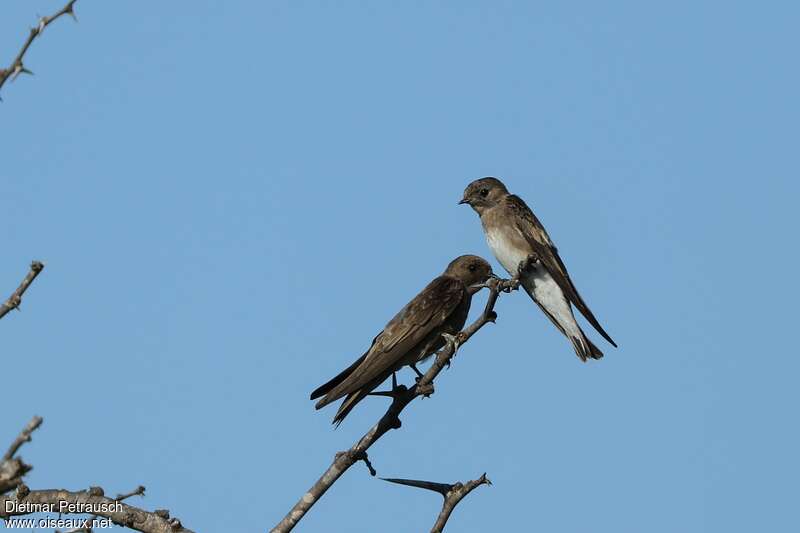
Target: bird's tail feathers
column 348, row 404
column 560, row 307
column 585, row 348
column 330, row 385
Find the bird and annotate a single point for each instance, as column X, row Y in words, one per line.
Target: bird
column 417, row 331
column 521, row 244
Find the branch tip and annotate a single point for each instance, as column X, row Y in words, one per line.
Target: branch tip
column 17, row 67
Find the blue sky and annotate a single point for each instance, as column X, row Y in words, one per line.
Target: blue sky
column 233, row 198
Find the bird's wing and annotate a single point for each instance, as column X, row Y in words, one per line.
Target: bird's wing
column 547, row 253
column 327, row 387
column 341, row 376
column 427, row 311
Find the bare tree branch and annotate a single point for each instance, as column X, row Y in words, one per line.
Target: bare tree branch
column 12, row 469
column 23, row 437
column 17, row 67
column 401, row 397
column 87, row 525
column 452, row 494
column 91, row 501
column 25, row 501
column 15, row 299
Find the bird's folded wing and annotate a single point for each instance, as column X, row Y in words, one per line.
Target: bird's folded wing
column 547, row 253
column 427, row 311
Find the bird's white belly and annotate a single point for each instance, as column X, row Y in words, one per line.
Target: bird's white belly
column 503, row 248
column 550, row 296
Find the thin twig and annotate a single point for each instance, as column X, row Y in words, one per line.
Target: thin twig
column 17, row 67
column 12, row 469
column 15, row 299
column 452, row 494
column 401, row 397
column 87, row 525
column 23, row 437
column 25, row 502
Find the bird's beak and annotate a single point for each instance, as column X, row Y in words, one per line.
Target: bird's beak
column 463, row 201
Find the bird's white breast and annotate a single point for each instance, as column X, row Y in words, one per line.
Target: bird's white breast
column 505, row 249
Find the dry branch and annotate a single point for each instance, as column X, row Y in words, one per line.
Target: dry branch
column 23, row 437
column 452, row 495
column 401, row 397
column 15, row 299
column 87, row 525
column 17, row 67
column 120, row 513
column 11, row 468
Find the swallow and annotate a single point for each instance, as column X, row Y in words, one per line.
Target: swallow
column 416, row 332
column 521, row 244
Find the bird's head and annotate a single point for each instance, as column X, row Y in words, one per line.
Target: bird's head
column 484, row 193
column 470, row 269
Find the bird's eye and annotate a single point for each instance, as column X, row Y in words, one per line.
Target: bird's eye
column 472, row 267
column 484, row 192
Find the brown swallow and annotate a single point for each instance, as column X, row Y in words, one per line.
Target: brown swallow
column 520, row 243
column 413, row 335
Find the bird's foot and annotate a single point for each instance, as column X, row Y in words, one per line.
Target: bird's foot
column 508, row 285
column 529, row 261
column 455, row 341
column 426, row 390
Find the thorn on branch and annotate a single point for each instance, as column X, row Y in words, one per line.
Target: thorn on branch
column 441, row 488
column 452, row 494
column 17, row 66
column 70, row 10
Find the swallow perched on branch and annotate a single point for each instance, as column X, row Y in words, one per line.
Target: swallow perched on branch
column 521, row 244
column 414, row 334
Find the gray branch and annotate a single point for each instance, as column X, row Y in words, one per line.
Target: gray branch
column 25, row 502
column 17, row 67
column 452, row 495
column 401, row 397
column 12, row 468
column 15, row 299
column 87, row 525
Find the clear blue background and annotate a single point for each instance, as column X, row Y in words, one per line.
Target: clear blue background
column 233, row 198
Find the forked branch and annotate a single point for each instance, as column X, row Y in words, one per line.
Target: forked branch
column 12, row 468
column 93, row 501
column 452, row 494
column 27, row 501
